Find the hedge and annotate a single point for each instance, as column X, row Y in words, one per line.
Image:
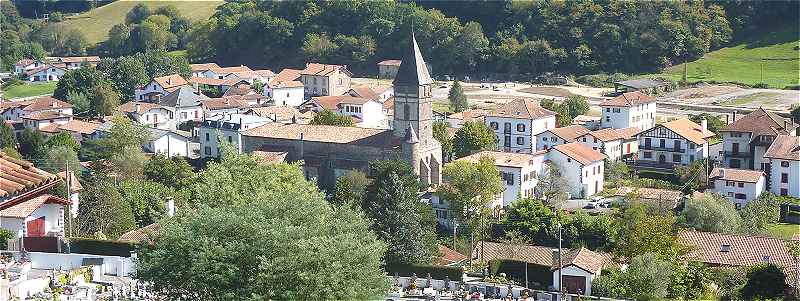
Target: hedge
column 437, row 272
column 101, row 247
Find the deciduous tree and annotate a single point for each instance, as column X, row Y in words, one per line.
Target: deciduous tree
column 7, row 136
column 102, row 210
column 473, row 136
column 711, row 213
column 31, row 144
column 441, row 134
column 328, row 117
column 350, row 189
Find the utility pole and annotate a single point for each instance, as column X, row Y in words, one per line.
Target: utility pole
column 455, row 227
column 560, row 264
column 69, row 197
column 762, row 70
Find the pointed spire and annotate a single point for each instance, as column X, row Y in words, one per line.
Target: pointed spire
column 411, row 136
column 413, row 71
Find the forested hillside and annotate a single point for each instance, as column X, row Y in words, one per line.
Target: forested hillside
column 474, row 37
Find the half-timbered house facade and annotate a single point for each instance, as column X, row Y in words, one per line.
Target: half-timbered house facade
column 678, row 142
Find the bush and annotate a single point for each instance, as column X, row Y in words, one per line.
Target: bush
column 437, row 272
column 730, row 280
column 101, row 247
column 5, row 235
column 764, row 281
column 761, row 86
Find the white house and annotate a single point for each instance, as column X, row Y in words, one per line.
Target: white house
column 457, row 120
column 45, row 73
column 519, row 172
column 678, row 142
column 745, row 140
column 517, row 124
column 15, row 110
column 580, row 267
column 614, row 143
column 631, row 109
column 376, row 92
column 172, row 143
column 24, row 65
column 224, row 106
column 581, row 167
column 79, row 129
column 784, row 166
column 75, row 62
column 39, row 120
column 149, row 114
column 226, row 128
column 186, row 104
column 740, row 186
column 325, row 79
column 285, row 93
column 562, row 135
column 369, row 113
column 158, row 87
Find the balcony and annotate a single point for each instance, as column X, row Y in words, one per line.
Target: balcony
column 730, row 154
column 666, row 149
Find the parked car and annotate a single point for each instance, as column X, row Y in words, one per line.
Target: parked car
column 591, row 205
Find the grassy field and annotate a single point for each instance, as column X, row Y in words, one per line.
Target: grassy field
column 28, row 90
column 743, row 63
column 96, row 23
column 783, row 230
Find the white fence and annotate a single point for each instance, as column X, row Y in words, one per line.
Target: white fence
column 111, row 265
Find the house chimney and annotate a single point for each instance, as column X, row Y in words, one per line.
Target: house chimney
column 138, row 107
column 170, row 207
column 274, row 116
column 704, row 125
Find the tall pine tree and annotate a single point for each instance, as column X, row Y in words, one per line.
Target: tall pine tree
column 458, row 101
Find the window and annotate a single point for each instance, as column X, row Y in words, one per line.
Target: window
column 784, row 163
column 520, row 127
column 507, row 127
column 208, row 150
column 569, row 160
column 586, row 174
column 495, row 126
column 691, row 145
column 735, row 163
column 507, row 141
column 676, row 158
column 584, row 139
column 784, row 177
column 520, row 140
column 608, row 119
column 608, row 110
column 730, row 194
column 648, row 155
column 741, row 184
column 784, row 191
column 230, row 139
column 206, row 136
column 544, row 139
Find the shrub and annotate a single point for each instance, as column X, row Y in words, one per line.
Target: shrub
column 101, row 247
column 5, row 235
column 764, row 281
column 761, row 86
column 730, row 281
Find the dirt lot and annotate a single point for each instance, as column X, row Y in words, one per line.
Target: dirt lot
column 550, row 91
column 733, row 96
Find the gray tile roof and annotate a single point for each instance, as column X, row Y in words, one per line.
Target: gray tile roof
column 412, row 71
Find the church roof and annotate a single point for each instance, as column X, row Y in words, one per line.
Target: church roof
column 412, row 71
column 326, row 134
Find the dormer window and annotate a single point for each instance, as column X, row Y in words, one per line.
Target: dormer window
column 725, row 248
column 767, row 258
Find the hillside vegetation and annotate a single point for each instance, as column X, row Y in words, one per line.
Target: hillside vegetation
column 743, row 62
column 96, row 23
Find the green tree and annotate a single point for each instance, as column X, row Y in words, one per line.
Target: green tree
column 471, row 137
column 58, row 157
column 328, row 117
column 260, row 239
column 7, row 136
column 319, row 47
column 470, row 46
column 154, row 34
column 102, row 210
column 83, row 80
column 615, row 172
column 441, row 134
column 693, row 176
column 470, row 188
column 689, row 282
column 610, row 283
column 764, row 281
column 63, row 139
column 169, row 171
column 137, row 14
column 350, row 189
column 641, row 232
column 104, row 100
column 759, row 213
column 711, row 213
column 458, row 101
column 31, row 144
column 125, row 73
column 714, row 123
column 145, row 198
column 398, row 218
column 530, row 217
column 647, row 277
column 795, row 113
column 576, row 105
column 118, row 39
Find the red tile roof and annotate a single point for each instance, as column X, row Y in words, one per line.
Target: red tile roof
column 78, row 59
column 268, row 157
column 739, row 175
column 720, row 249
column 288, row 75
column 46, row 103
column 784, row 147
column 230, row 102
column 142, row 234
column 449, row 256
column 23, row 209
column 332, row 102
column 468, row 115
column 24, row 62
column 130, row 107
column 204, row 66
column 323, row 69
column 629, row 99
column 80, row 126
column 586, row 259
column 326, row 134
column 761, row 122
column 544, row 256
column 610, row 134
column 506, row 159
column 45, row 115
column 689, row 130
column 18, row 176
column 170, row 81
column 579, row 152
column 521, row 109
column 569, row 133
column 206, row 81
